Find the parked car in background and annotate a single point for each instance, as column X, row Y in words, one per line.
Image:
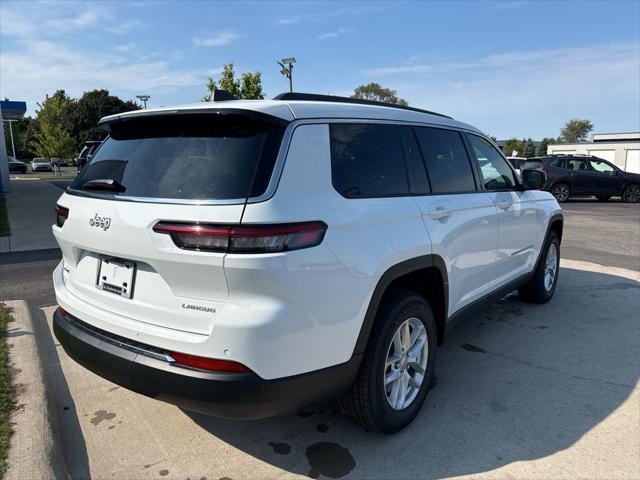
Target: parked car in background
column 571, row 175
column 61, row 161
column 249, row 258
column 39, row 164
column 517, row 162
column 88, row 148
column 16, row 166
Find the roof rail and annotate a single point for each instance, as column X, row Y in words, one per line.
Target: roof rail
column 335, row 99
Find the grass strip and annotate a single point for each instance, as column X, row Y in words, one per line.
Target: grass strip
column 7, row 389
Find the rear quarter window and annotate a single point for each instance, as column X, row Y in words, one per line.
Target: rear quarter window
column 367, row 160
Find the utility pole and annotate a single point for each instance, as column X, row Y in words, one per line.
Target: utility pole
column 287, row 70
column 144, row 99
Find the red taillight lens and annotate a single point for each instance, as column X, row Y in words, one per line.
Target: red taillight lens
column 244, row 238
column 208, row 363
column 545, row 169
column 61, row 215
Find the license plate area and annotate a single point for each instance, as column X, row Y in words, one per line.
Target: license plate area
column 116, row 276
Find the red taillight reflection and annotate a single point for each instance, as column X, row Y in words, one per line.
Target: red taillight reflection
column 211, row 364
column 244, row 238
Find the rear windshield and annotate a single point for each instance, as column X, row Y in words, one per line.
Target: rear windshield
column 199, row 157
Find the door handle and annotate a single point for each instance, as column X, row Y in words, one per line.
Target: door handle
column 504, row 205
column 439, row 213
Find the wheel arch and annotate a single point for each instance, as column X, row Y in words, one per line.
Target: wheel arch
column 416, row 275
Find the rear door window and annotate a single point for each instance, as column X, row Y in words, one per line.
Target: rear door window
column 199, row 157
column 446, row 159
column 367, row 160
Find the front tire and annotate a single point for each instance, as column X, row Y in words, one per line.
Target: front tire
column 631, row 193
column 397, row 366
column 561, row 191
column 543, row 284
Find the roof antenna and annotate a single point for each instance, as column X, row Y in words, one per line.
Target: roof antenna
column 221, row 96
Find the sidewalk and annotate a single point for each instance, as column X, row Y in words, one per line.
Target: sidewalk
column 31, row 205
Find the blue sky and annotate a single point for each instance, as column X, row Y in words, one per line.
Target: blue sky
column 512, row 68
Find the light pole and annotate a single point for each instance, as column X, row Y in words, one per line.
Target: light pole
column 13, row 147
column 144, row 99
column 287, row 70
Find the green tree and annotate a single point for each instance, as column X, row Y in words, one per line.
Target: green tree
column 511, row 145
column 90, row 108
column 575, row 130
column 375, row 91
column 247, row 87
column 23, row 136
column 52, row 137
column 529, row 149
column 544, row 143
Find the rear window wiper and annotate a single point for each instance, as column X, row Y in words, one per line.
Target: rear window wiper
column 104, row 184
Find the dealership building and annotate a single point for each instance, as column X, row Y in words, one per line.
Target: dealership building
column 621, row 149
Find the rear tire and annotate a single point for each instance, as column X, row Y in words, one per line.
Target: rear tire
column 561, row 191
column 543, row 284
column 371, row 400
column 631, row 193
column 603, row 198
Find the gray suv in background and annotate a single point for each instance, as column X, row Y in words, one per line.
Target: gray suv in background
column 570, row 175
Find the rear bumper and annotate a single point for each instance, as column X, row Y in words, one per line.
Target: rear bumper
column 233, row 395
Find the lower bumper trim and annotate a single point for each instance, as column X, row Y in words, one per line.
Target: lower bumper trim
column 232, row 395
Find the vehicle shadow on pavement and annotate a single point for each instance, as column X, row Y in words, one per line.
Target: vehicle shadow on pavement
column 518, row 382
column 69, row 438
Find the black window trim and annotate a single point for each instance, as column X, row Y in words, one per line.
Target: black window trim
column 517, row 183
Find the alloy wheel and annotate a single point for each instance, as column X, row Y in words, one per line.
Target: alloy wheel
column 632, row 194
column 406, row 363
column 561, row 192
column 551, row 267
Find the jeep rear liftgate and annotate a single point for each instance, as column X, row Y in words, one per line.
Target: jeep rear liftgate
column 172, row 169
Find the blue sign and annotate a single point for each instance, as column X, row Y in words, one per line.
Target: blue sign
column 13, row 110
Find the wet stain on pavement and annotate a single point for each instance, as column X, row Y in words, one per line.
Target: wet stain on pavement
column 329, row 459
column 472, row 348
column 102, row 415
column 164, row 473
column 280, row 448
column 305, row 413
column 113, row 389
column 111, row 427
column 322, row 427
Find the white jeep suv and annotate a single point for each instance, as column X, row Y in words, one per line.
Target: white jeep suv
column 248, row 258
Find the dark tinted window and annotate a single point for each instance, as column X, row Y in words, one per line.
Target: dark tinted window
column 187, row 157
column 576, row 164
column 496, row 173
column 367, row 160
column 417, row 172
column 446, row 158
column 557, row 162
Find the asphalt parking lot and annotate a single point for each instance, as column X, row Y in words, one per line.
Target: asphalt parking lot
column 522, row 391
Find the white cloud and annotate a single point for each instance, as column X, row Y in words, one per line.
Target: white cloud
column 217, row 40
column 288, row 20
column 529, row 93
column 333, row 34
column 122, row 28
column 126, row 47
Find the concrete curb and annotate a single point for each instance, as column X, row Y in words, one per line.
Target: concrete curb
column 34, row 451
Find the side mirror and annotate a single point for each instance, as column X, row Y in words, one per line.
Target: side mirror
column 533, row 179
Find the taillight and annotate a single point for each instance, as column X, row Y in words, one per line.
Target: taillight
column 211, row 364
column 244, row 238
column 545, row 169
column 61, row 215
